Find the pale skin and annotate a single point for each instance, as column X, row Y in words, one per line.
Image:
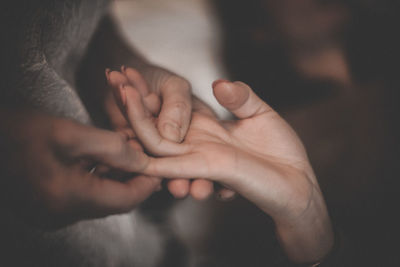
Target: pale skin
column 258, row 155
column 173, row 92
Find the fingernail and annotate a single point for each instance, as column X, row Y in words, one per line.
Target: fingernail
column 219, row 81
column 220, row 197
column 123, row 68
column 226, row 196
column 171, row 132
column 122, row 94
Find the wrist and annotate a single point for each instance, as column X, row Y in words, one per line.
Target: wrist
column 333, row 258
column 308, row 236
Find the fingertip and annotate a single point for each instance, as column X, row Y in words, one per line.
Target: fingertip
column 116, row 78
column 173, row 123
column 171, row 132
column 201, row 189
column 216, row 82
column 230, row 95
column 179, row 188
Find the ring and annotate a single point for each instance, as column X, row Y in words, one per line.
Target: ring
column 93, row 169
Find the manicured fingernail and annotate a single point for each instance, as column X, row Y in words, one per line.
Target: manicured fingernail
column 219, row 81
column 122, row 94
column 171, row 132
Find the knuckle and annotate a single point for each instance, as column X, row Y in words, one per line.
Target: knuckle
column 181, row 106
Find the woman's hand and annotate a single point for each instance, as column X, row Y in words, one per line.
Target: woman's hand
column 259, row 156
column 168, row 98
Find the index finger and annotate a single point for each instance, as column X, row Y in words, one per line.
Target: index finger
column 113, row 149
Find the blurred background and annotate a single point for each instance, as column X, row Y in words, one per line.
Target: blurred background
column 330, row 67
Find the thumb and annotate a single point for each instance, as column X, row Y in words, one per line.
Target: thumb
column 239, row 99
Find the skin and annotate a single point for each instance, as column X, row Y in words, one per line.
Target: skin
column 259, row 156
column 54, row 187
column 47, row 76
column 174, row 118
column 173, row 91
column 169, row 94
column 47, row 198
column 54, row 200
column 53, row 85
column 169, row 124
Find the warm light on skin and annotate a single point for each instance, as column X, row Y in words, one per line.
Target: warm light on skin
column 259, row 156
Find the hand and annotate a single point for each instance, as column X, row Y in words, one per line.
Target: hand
column 45, row 163
column 109, row 48
column 259, row 156
column 172, row 121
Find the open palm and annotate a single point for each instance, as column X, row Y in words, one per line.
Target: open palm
column 259, row 156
